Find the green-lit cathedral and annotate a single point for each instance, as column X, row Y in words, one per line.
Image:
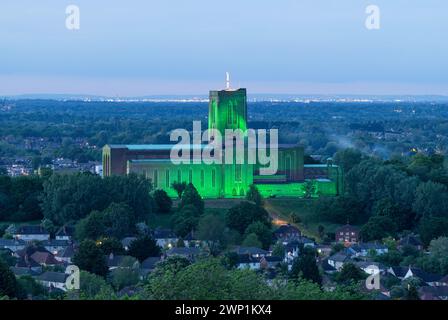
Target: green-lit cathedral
column 227, row 110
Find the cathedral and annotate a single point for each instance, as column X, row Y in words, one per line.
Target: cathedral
column 227, row 110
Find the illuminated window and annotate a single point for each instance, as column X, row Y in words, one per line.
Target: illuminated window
column 190, row 176
column 213, row 178
column 179, row 176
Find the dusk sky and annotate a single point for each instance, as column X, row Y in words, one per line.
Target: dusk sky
column 150, row 47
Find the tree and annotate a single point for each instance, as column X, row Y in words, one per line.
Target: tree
column 310, row 189
column 254, row 195
column 119, row 220
column 29, row 287
column 49, row 226
column 401, row 219
column 348, row 158
column 143, row 248
column 185, row 220
column 191, row 196
column 230, row 260
column 377, row 228
column 340, row 210
column 391, row 258
column 127, row 273
column 431, row 200
column 263, row 232
column 115, row 221
column 94, row 287
column 251, row 240
column 216, row 281
column 163, row 201
column 305, row 267
column 307, row 290
column 412, row 293
column 91, row 227
column 67, row 198
column 321, row 230
column 90, row 258
column 20, row 198
column 8, row 282
column 111, row 245
column 350, row 272
column 438, row 254
column 431, row 228
column 278, row 250
column 242, row 215
column 211, row 227
column 179, row 187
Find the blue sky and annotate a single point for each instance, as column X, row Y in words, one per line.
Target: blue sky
column 144, row 47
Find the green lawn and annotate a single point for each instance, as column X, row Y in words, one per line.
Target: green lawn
column 303, row 208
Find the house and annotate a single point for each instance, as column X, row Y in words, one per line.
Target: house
column 324, row 250
column 21, row 271
column 410, row 240
column 189, row 253
column 55, row 246
column 364, row 249
column 12, row 244
column 114, row 261
column 338, row 260
column 431, row 279
column 165, row 238
column 28, row 263
column 292, row 251
column 371, row 267
column 44, row 258
column 190, row 240
column 347, row 233
column 53, row 280
column 65, row 233
column 148, row 265
column 66, row 255
column 31, row 233
column 433, row 293
column 253, row 251
column 126, row 242
column 286, row 233
column 307, row 242
column 247, row 261
column 326, row 267
column 270, row 261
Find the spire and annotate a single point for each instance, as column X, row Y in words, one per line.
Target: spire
column 227, row 81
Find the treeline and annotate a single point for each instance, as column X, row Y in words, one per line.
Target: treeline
column 65, row 199
column 389, row 197
column 20, row 198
